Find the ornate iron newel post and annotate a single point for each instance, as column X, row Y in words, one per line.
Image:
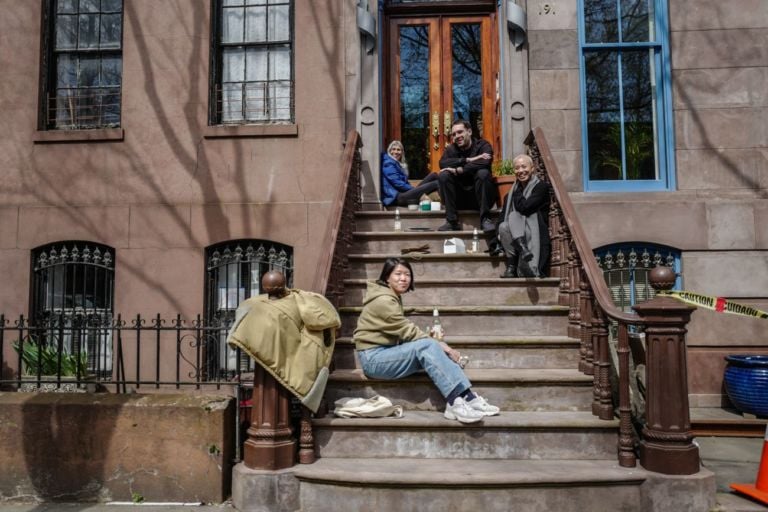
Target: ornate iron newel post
column 270, row 443
column 667, row 445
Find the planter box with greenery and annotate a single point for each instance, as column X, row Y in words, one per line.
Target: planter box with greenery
column 504, row 175
column 46, row 369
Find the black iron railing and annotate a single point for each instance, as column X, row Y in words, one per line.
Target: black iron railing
column 665, row 442
column 116, row 354
column 66, row 353
column 84, row 107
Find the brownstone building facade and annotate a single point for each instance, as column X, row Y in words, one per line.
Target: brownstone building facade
column 161, row 131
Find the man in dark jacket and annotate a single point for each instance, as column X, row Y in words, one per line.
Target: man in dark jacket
column 465, row 177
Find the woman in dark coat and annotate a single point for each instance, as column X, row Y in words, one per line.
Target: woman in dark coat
column 395, row 189
column 524, row 228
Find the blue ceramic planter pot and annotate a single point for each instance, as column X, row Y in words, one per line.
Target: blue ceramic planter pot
column 746, row 383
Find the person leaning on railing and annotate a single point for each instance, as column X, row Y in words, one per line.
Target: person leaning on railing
column 524, row 227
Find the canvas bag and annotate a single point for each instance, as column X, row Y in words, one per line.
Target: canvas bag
column 374, row 407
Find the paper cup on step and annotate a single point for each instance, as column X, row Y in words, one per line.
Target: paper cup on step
column 435, row 206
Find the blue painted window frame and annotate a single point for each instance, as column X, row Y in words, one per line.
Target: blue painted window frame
column 664, row 120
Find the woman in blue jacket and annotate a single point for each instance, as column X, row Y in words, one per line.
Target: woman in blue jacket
column 395, row 189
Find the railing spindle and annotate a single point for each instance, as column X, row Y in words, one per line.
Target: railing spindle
column 626, row 434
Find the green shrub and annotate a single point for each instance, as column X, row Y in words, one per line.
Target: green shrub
column 46, row 357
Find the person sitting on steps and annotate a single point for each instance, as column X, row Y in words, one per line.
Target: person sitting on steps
column 395, row 189
column 389, row 346
column 465, row 178
column 524, row 228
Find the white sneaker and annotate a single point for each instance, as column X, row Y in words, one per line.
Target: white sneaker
column 480, row 404
column 460, row 410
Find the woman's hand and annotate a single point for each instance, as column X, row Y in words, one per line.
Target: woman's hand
column 453, row 354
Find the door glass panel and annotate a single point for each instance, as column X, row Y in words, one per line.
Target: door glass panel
column 467, row 75
column 638, row 87
column 414, row 98
column 603, row 116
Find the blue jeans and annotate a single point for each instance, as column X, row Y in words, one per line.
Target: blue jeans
column 399, row 361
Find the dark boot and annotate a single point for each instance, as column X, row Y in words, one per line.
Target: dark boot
column 523, row 249
column 527, row 271
column 511, row 269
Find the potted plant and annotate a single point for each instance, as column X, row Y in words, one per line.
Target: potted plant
column 46, row 360
column 746, row 383
column 504, row 175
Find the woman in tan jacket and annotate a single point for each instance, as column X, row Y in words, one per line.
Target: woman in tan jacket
column 390, row 346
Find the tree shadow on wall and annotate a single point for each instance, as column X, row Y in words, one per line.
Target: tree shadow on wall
column 65, row 439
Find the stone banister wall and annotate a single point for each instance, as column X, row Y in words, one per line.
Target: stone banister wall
column 106, row 447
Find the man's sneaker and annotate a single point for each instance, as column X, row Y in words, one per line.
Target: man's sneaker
column 488, row 225
column 479, row 404
column 450, row 226
column 460, row 410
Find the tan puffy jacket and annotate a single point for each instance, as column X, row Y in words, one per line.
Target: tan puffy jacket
column 292, row 338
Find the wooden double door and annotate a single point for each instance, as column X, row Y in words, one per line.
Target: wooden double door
column 440, row 68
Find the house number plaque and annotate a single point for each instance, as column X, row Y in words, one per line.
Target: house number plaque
column 546, row 9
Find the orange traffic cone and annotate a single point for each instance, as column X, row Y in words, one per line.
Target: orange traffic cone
column 759, row 491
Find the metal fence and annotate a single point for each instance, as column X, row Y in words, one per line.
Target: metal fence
column 139, row 352
column 71, row 353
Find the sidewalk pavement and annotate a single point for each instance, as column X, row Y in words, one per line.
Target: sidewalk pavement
column 732, row 459
column 106, row 507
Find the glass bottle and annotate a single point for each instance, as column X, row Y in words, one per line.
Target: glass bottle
column 437, row 327
column 475, row 247
column 398, row 222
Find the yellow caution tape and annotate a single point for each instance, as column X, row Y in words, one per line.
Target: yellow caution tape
column 718, row 304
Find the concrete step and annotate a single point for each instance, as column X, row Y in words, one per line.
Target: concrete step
column 367, row 242
column 430, row 266
column 490, row 352
column 492, row 291
column 384, row 220
column 510, row 435
column 440, row 485
column 546, row 320
column 509, row 389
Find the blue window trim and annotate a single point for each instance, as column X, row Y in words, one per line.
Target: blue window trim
column 664, row 116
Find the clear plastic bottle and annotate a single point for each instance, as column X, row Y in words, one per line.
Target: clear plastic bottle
column 398, row 222
column 475, row 247
column 437, row 327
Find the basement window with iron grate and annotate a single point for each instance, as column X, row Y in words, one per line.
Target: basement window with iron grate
column 72, row 306
column 233, row 274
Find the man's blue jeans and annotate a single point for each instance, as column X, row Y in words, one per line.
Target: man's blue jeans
column 399, row 361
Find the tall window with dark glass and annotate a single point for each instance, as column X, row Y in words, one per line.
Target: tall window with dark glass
column 252, row 62
column 625, row 118
column 82, row 64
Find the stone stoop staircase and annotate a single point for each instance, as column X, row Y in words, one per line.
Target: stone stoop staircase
column 545, row 452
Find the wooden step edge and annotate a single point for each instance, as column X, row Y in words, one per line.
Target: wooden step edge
column 429, row 420
column 725, row 428
column 536, row 376
column 416, row 233
column 470, row 310
column 468, row 473
column 480, row 256
column 469, row 281
column 386, row 214
column 492, row 341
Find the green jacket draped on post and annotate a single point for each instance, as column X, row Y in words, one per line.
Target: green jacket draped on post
column 292, row 338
